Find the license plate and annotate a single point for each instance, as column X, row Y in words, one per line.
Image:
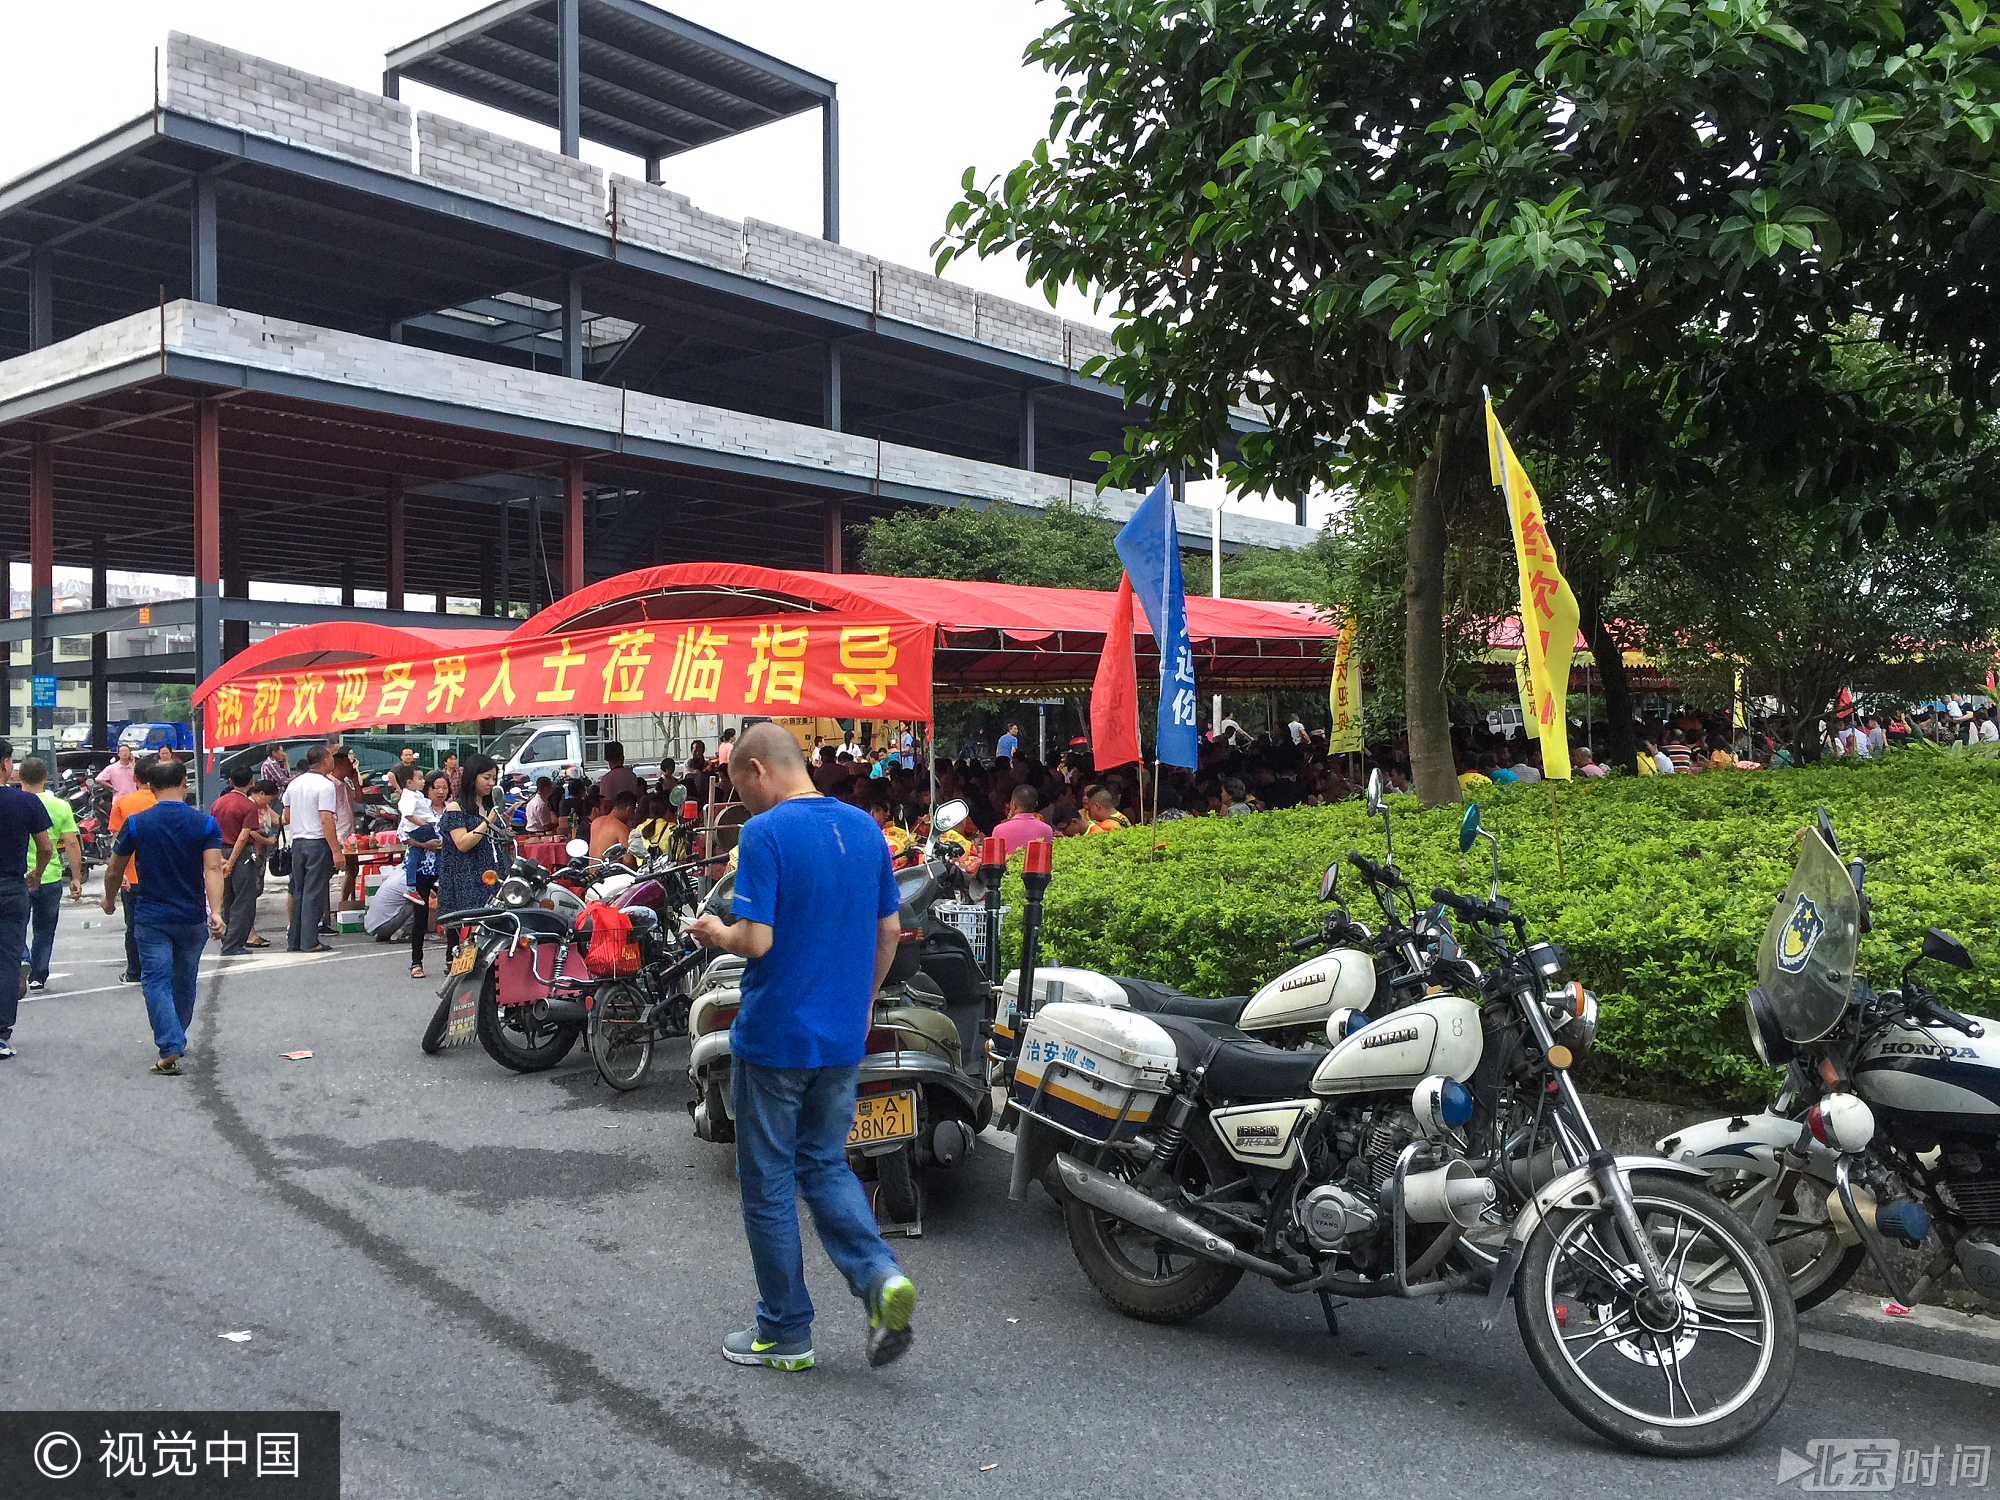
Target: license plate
column 463, row 962
column 883, row 1117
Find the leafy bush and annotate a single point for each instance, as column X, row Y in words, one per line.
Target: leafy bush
column 1665, row 889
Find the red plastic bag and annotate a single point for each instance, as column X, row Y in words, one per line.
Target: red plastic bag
column 610, row 952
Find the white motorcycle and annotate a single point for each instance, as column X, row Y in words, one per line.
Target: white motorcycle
column 1188, row 1153
column 1888, row 1124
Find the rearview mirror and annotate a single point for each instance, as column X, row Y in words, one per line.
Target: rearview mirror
column 577, row 848
column 1468, row 828
column 1329, row 883
column 1946, row 949
column 1374, row 794
column 949, row 817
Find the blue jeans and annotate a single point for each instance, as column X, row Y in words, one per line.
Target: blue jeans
column 169, row 960
column 16, row 911
column 47, row 903
column 791, row 1142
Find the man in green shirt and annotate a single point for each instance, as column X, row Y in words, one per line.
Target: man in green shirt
column 47, row 897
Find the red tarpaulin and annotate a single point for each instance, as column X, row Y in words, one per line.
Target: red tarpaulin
column 731, row 638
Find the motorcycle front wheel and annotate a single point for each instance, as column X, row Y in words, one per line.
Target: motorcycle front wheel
column 1801, row 1236
column 619, row 1036
column 1680, row 1379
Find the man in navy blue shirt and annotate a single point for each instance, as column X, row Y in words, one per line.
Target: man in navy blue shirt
column 23, row 820
column 179, row 905
column 816, row 903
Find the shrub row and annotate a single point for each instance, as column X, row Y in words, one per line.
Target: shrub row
column 1663, row 892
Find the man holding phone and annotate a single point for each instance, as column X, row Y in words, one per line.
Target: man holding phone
column 817, row 917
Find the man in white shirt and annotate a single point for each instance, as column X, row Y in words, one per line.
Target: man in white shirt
column 1989, row 733
column 309, row 809
column 541, row 817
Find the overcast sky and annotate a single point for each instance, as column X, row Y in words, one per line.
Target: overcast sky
column 927, row 88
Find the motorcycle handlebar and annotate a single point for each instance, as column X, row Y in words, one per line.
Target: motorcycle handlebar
column 1929, row 1008
column 1373, row 873
column 1471, row 907
column 1299, row 945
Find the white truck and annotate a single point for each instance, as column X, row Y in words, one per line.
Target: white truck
column 537, row 748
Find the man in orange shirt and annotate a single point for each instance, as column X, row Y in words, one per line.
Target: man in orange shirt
column 127, row 805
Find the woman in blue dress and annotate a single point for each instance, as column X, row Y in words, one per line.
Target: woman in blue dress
column 477, row 849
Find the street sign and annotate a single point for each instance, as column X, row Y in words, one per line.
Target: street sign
column 44, row 694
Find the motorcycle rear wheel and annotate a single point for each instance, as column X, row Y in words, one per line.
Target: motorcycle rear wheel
column 1141, row 1275
column 898, row 1197
column 1577, row 1294
column 619, row 1036
column 513, row 1038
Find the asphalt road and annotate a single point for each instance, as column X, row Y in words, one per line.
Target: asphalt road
column 516, row 1286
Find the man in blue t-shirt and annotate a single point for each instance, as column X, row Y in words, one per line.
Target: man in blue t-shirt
column 816, row 904
column 179, row 905
column 1010, row 743
column 23, row 821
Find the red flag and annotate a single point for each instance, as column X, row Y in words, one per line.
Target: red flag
column 1114, row 694
column 1845, row 705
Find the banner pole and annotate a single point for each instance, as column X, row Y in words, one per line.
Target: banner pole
column 1556, row 822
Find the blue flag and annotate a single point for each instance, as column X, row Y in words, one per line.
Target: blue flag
column 1150, row 548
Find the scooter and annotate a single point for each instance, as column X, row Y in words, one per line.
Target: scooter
column 923, row 1094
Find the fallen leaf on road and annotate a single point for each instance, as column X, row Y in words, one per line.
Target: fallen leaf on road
column 236, row 1338
column 296, row 1056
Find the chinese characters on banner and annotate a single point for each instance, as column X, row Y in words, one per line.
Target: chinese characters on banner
column 824, row 665
column 1344, row 694
column 1548, row 609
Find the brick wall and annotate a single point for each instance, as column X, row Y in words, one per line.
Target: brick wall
column 508, row 171
column 790, row 258
column 219, row 83
column 649, row 215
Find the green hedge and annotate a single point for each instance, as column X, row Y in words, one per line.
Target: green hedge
column 1665, row 889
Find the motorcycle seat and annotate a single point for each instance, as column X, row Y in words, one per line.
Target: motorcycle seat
column 1151, row 998
column 536, row 925
column 1240, row 1066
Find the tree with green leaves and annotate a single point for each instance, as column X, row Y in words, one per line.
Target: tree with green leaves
column 1064, row 546
column 1359, row 214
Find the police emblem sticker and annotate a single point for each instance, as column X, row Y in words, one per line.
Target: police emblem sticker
column 1801, row 934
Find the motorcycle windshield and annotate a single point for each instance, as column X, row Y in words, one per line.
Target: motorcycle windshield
column 1805, row 964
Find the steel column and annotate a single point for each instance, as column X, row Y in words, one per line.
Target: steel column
column 396, row 515
column 201, row 241
column 41, row 582
column 830, row 170
column 207, row 548
column 653, row 169
column 572, row 326
column 572, row 545
column 1299, row 507
column 569, row 91
column 831, row 543
column 392, row 84
column 41, row 298
column 1025, row 447
column 235, row 585
column 100, row 686
column 347, row 583
column 830, row 414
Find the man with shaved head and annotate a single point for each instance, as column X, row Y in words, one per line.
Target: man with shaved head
column 816, row 916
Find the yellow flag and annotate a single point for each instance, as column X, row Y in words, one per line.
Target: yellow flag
column 1742, row 708
column 1548, row 609
column 1527, row 690
column 1344, row 694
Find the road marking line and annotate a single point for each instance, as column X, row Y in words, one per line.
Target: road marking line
column 290, row 961
column 1899, row 1358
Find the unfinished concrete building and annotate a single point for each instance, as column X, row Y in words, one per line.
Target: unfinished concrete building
column 282, row 329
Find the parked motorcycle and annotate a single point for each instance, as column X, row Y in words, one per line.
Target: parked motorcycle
column 515, row 980
column 1888, row 1123
column 648, row 997
column 1189, row 1153
column 923, row 1095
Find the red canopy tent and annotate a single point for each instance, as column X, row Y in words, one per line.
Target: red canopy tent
column 732, row 638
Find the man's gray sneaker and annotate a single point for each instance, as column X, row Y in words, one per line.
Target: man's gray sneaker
column 748, row 1347
column 6, row 1048
column 891, row 1301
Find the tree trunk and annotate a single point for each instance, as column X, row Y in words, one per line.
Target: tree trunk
column 1433, row 773
column 1621, row 740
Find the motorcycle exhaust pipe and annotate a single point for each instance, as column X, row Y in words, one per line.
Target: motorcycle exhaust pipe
column 1135, row 1208
column 1450, row 1194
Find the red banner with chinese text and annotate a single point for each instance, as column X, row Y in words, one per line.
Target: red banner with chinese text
column 832, row 666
